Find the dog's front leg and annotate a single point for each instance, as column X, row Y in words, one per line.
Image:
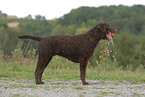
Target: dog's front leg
column 83, row 65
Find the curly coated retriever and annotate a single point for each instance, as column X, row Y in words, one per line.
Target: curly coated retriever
column 77, row 48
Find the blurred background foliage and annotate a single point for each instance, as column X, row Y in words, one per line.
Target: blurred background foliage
column 129, row 49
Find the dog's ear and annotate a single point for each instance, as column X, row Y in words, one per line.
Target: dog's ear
column 102, row 27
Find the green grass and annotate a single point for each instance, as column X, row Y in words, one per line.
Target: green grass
column 78, row 88
column 66, row 70
column 118, row 74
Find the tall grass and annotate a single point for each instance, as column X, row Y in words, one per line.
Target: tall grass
column 19, row 67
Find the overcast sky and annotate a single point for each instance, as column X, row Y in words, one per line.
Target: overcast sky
column 55, row 8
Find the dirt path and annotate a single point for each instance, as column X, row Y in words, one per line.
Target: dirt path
column 71, row 88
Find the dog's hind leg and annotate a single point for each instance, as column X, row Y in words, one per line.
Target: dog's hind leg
column 83, row 65
column 41, row 65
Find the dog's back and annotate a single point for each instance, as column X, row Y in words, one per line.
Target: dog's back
column 70, row 47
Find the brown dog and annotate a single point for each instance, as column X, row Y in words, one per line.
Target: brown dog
column 77, row 48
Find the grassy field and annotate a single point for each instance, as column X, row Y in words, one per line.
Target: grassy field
column 62, row 69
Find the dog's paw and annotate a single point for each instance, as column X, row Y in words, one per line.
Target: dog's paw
column 85, row 83
column 38, row 83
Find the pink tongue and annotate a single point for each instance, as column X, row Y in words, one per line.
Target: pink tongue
column 109, row 37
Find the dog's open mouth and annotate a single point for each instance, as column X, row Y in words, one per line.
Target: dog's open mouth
column 110, row 33
column 109, row 37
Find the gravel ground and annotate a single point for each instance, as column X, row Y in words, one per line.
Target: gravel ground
column 70, row 88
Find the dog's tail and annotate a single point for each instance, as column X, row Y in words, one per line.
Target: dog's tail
column 31, row 37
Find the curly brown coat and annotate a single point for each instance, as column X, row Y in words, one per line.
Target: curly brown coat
column 77, row 48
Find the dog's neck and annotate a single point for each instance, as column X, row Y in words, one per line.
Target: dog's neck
column 94, row 35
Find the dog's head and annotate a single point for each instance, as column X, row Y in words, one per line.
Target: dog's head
column 106, row 31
